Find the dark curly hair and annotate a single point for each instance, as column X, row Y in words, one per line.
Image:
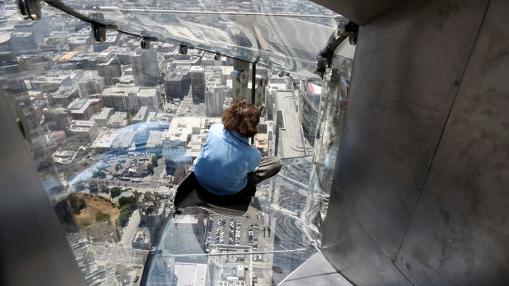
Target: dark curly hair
column 242, row 117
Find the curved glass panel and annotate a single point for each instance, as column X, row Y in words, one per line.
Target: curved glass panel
column 114, row 129
column 264, row 246
column 280, row 36
column 327, row 137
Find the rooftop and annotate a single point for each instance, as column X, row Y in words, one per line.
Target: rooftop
column 190, row 274
column 147, row 92
column 79, row 105
column 104, row 114
column 120, row 90
column 196, row 69
column 141, row 114
column 81, row 125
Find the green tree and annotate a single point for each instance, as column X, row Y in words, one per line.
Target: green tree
column 126, row 200
column 125, row 213
column 115, row 192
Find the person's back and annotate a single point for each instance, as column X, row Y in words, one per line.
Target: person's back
column 228, row 167
column 225, row 161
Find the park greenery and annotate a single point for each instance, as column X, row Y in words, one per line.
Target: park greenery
column 125, row 213
column 127, row 206
column 115, row 192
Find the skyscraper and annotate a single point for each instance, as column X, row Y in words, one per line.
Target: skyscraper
column 309, row 100
column 149, row 97
column 197, row 75
column 110, row 71
column 214, row 100
column 176, row 84
column 145, row 67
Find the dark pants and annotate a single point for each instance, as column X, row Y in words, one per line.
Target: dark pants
column 269, row 166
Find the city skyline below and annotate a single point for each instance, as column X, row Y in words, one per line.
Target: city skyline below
column 114, row 129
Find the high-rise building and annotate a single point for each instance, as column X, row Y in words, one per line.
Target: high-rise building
column 118, row 120
column 84, row 108
column 110, row 70
column 309, row 100
column 176, row 84
column 101, row 118
column 56, row 118
column 214, row 100
column 149, row 97
column 145, row 67
column 121, row 98
column 90, row 86
column 82, row 131
column 197, row 75
column 78, row 42
column 63, row 96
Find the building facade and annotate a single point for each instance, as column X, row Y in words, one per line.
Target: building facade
column 197, row 75
column 214, row 100
column 145, row 67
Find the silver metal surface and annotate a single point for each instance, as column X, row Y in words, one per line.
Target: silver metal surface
column 359, row 11
column 315, row 271
column 33, row 249
column 460, row 232
column 397, row 165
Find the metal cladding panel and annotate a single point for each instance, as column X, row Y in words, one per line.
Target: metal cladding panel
column 33, row 248
column 408, row 68
column 400, row 99
column 352, row 251
column 359, row 11
column 461, row 228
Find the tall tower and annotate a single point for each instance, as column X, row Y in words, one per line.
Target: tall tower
column 145, row 67
column 214, row 100
column 197, row 75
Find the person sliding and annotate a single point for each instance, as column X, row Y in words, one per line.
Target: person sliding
column 228, row 168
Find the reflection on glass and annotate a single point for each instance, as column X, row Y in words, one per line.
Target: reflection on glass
column 327, row 138
column 251, row 30
column 114, row 129
column 264, row 245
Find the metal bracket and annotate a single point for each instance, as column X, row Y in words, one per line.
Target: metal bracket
column 98, row 30
column 98, row 33
column 145, row 43
column 30, row 9
column 183, row 48
column 350, row 31
column 241, row 75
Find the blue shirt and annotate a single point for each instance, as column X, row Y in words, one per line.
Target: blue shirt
column 224, row 161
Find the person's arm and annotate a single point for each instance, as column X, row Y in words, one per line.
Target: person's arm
column 255, row 162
